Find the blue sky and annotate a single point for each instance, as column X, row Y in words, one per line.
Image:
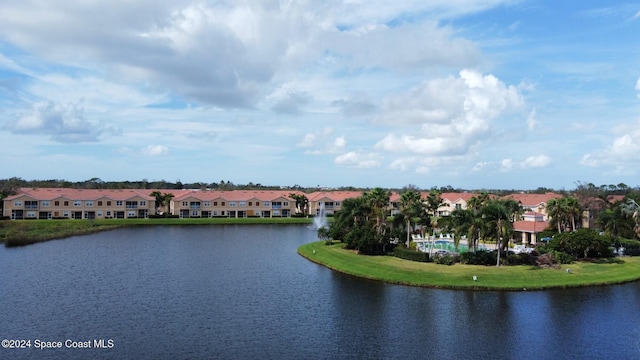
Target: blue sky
column 473, row 94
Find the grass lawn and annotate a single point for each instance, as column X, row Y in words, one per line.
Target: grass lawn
column 398, row 271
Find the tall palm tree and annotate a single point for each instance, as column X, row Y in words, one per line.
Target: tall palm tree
column 632, row 209
column 166, row 201
column 158, row 196
column 378, row 200
column 498, row 220
column 411, row 206
column 555, row 213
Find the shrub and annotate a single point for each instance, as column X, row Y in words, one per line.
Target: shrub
column 631, row 247
column 480, row 257
column 445, row 259
column 408, row 254
column 521, row 259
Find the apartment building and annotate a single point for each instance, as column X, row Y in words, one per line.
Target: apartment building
column 63, row 203
column 233, row 203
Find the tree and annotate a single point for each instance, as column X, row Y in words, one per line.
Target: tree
column 411, row 206
column 630, row 208
column 166, row 202
column 159, row 198
column 498, row 223
column 378, row 201
column 302, row 203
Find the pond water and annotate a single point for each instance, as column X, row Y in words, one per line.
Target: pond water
column 242, row 292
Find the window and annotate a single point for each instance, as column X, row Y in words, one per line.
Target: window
column 185, row 203
column 99, row 213
column 223, row 205
column 77, row 203
column 88, row 203
column 215, row 203
column 143, row 203
column 44, row 203
column 207, row 204
column 243, row 204
column 232, row 203
column 17, row 203
column 131, row 204
column 266, row 203
column 56, row 203
column 250, row 203
column 131, row 214
column 31, row 214
column 286, row 204
column 99, row 203
column 108, row 203
column 194, row 205
column 30, row 204
column 194, row 213
column 66, row 203
column 108, row 213
column 215, row 212
column 118, row 202
column 65, row 214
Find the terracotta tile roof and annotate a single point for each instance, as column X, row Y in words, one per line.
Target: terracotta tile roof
column 530, row 226
column 81, row 194
column 453, row 197
column 532, row 199
column 333, row 195
column 238, row 195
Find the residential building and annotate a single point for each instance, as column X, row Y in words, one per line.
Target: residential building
column 64, row 203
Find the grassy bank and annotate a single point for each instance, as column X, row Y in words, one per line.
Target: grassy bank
column 397, row 271
column 25, row 232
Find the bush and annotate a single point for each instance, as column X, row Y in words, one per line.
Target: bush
column 521, row 259
column 408, row 254
column 480, row 257
column 631, row 247
column 445, row 259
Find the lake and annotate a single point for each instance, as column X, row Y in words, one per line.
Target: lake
column 242, row 292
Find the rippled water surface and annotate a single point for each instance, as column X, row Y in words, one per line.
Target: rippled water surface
column 242, row 292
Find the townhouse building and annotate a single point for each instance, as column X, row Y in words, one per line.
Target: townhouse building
column 64, row 203
column 233, row 203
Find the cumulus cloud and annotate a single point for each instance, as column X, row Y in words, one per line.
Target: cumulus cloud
column 359, row 159
column 155, row 150
column 638, row 87
column 358, row 105
column 292, row 103
column 536, row 161
column 63, row 123
column 622, row 152
column 454, row 113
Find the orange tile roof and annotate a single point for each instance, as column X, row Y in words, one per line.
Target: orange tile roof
column 533, row 199
column 333, row 195
column 530, row 226
column 81, row 194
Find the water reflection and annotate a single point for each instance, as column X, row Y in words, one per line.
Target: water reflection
column 243, row 292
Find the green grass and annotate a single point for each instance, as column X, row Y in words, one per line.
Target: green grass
column 25, row 232
column 397, row 271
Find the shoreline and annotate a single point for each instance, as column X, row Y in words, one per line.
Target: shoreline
column 397, row 271
column 16, row 233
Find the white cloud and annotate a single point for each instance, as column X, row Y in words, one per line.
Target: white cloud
column 155, row 150
column 454, row 113
column 316, row 139
column 622, row 152
column 339, row 143
column 536, row 161
column 506, row 164
column 638, row 87
column 63, row 123
column 358, row 159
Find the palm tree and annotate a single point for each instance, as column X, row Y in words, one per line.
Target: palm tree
column 632, row 209
column 302, row 203
column 498, row 218
column 411, row 206
column 378, row 201
column 166, row 201
column 158, row 196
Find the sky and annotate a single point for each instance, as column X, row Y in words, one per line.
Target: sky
column 491, row 94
